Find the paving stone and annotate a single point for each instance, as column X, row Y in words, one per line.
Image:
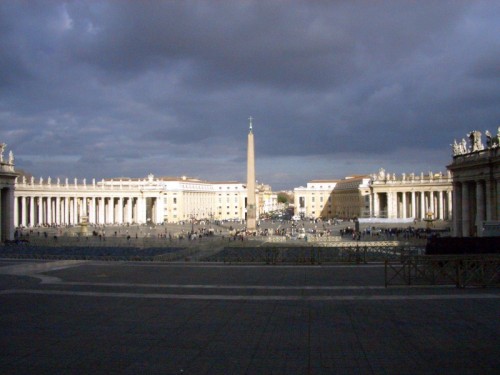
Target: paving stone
column 140, row 326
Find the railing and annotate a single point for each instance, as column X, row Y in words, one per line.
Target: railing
column 459, row 270
column 340, row 252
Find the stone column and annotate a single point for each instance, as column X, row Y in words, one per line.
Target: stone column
column 403, row 199
column 441, row 205
column 133, row 213
column 465, row 210
column 490, row 203
column 457, row 211
column 83, row 208
column 422, row 205
column 32, row 222
column 60, row 210
column 480, row 208
column 70, row 210
column 40, row 210
column 57, row 219
column 432, row 206
column 129, row 210
column 100, row 217
column 389, row 204
column 376, row 205
column 66, row 210
column 7, row 205
column 110, row 210
column 9, row 213
column 16, row 211
column 61, row 215
column 75, row 211
column 49, row 210
column 413, row 205
column 93, row 209
column 23, row 211
column 160, row 209
column 449, row 206
column 141, row 210
column 119, row 211
column 497, row 199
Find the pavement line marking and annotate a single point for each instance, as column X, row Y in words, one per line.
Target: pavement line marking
column 422, row 297
column 238, row 265
column 218, row 286
column 27, row 269
column 34, row 269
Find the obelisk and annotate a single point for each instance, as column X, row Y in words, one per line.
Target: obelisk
column 251, row 207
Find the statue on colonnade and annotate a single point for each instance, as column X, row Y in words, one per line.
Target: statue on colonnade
column 2, row 149
column 475, row 140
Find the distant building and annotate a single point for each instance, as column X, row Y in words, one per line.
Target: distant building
column 267, row 199
column 476, row 185
column 315, row 200
column 351, row 197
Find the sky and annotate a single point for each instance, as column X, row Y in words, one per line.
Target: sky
column 105, row 89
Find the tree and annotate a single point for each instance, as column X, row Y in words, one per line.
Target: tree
column 283, row 198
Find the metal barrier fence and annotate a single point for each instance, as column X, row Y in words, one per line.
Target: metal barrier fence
column 343, row 252
column 460, row 270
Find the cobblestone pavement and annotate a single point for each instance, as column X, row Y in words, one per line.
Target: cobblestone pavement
column 80, row 317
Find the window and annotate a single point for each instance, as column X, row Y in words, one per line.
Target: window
column 175, row 200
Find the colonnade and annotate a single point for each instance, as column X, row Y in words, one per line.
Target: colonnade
column 476, row 201
column 416, row 204
column 59, row 209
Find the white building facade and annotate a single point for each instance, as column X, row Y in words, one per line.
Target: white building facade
column 39, row 202
column 315, row 200
column 424, row 196
column 380, row 196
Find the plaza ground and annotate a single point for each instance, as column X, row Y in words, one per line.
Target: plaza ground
column 80, row 317
column 160, row 234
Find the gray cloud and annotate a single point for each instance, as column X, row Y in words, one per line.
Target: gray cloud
column 127, row 88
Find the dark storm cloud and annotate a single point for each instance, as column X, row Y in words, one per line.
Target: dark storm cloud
column 130, row 87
